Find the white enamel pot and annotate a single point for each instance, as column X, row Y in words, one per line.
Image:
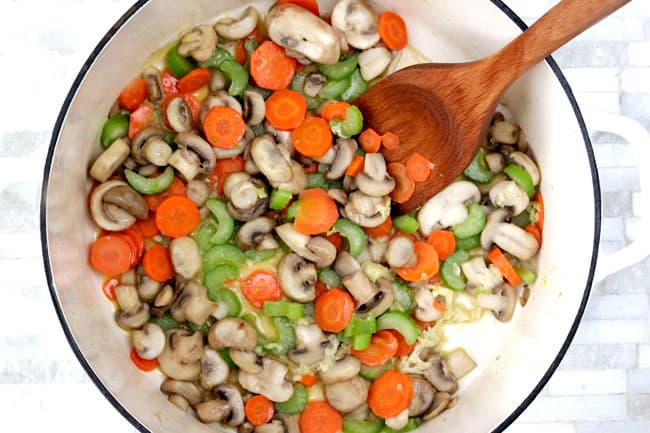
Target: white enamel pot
column 514, row 360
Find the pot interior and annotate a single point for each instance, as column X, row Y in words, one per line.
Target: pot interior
column 512, row 358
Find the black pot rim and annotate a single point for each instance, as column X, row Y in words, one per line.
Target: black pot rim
column 123, row 410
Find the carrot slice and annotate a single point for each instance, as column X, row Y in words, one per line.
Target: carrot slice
column 418, row 167
column 136, row 242
column 223, row 169
column 320, row 417
column 390, row 141
column 157, row 263
column 392, row 30
column 534, row 230
column 148, row 227
column 498, row 259
column 390, row 394
column 270, row 66
column 223, row 127
column 403, row 349
column 143, row 116
column 320, row 288
column 177, row 188
column 333, row 310
column 355, row 166
column 261, row 286
column 539, row 200
column 310, row 5
column 111, row 255
column 259, row 410
column 443, row 241
column 308, row 380
column 177, row 216
column 404, row 185
column 313, row 137
column 381, row 230
column 370, row 141
column 334, row 110
column 108, row 288
column 143, row 364
column 317, row 212
column 383, row 346
column 240, row 53
column 194, row 80
column 133, row 94
column 439, row 306
column 426, row 266
column 286, row 109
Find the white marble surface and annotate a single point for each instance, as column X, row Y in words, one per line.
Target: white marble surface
column 602, row 386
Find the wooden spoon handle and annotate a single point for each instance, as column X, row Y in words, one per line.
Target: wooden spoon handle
column 559, row 25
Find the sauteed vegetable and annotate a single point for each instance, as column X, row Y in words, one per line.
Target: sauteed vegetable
column 251, row 246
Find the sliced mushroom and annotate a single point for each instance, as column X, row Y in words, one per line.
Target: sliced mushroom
column 342, row 370
column 527, row 163
column 398, row 421
column 271, row 427
column 289, row 422
column 198, row 191
column 164, row 300
column 448, row 207
column 346, row 265
column 503, row 131
column 358, row 21
column 212, row 411
column 304, row 33
column 232, row 333
column 127, row 298
column 179, row 115
column 310, row 345
column 234, row 29
column 272, row 160
column 401, row 252
column 126, row 199
column 140, row 139
column 110, row 160
column 151, row 76
column 501, row 301
column 348, row 395
column 508, row 194
column 424, row 310
column 217, row 81
column 423, row 394
column 359, row 286
column 246, row 361
column 439, row 374
column 227, row 407
column 345, row 149
column 114, row 221
column 239, row 148
column 242, row 196
column 181, row 358
column 134, row 319
column 156, row 151
column 196, row 148
column 214, row 370
column 380, row 301
column 373, row 187
column 298, row 181
column 367, row 211
column 254, row 108
column 373, row 62
column 508, row 236
column 149, row 341
column 314, row 83
column 297, row 278
column 271, row 383
column 316, row 249
column 495, row 162
column 338, row 195
column 187, row 390
column 460, row 363
column 192, row 304
column 479, row 276
column 185, row 256
column 254, row 232
column 440, row 403
column 200, row 43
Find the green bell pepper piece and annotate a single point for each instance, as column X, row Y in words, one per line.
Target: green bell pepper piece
column 354, row 234
column 402, row 323
column 260, row 256
column 178, row 65
column 215, row 277
column 334, row 89
column 221, row 295
column 225, row 355
column 372, row 373
column 523, row 219
column 411, row 425
column 406, row 224
column 361, row 341
column 224, row 254
column 316, row 180
column 225, row 223
column 525, row 274
column 296, row 403
column 403, row 296
column 279, row 199
column 290, row 310
column 474, row 223
column 351, row 125
column 217, row 58
column 286, row 337
column 166, row 322
column 478, row 170
column 450, row 271
column 115, row 127
column 352, row 425
column 358, row 86
column 521, row 178
column 469, row 243
column 204, row 235
column 150, row 185
column 329, row 277
column 341, row 69
column 361, row 326
column 237, row 75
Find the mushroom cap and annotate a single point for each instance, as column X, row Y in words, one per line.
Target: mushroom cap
column 310, row 345
column 380, row 301
column 342, row 370
column 232, row 395
column 401, row 252
column 185, row 256
column 508, row 194
column 510, row 294
column 270, row 383
column 140, row 139
column 212, row 410
column 232, row 333
column 181, row 358
column 344, row 151
column 252, row 233
column 374, row 187
column 346, row 265
column 179, row 115
column 234, row 29
column 320, row 251
column 440, row 402
column 297, row 278
column 358, row 21
column 98, row 209
column 149, row 341
column 254, row 108
column 423, row 394
column 192, row 304
column 246, row 361
column 272, row 160
column 439, row 374
column 298, row 181
column 187, row 390
column 348, row 395
column 196, row 148
column 366, row 210
column 448, row 207
column 200, row 43
column 133, row 319
column 527, row 163
column 460, row 363
column 214, row 370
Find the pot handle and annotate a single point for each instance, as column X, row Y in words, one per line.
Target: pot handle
column 639, row 140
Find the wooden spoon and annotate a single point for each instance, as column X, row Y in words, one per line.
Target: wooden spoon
column 443, row 110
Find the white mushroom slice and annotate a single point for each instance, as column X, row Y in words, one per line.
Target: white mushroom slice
column 347, row 396
column 479, row 276
column 233, row 29
column 127, row 298
column 185, row 256
column 398, row 421
column 310, row 346
column 200, row 43
column 424, row 310
column 448, row 207
column 342, row 370
column 358, row 21
column 508, row 194
column 504, row 132
column 246, row 361
column 198, row 191
column 189, row 391
column 401, row 252
column 179, row 115
column 156, row 151
column 501, row 301
column 270, row 383
column 460, row 363
column 151, row 76
column 366, row 210
column 227, row 407
column 373, row 62
column 232, row 333
column 297, row 278
column 359, row 286
column 423, row 394
column 254, row 108
column 298, row 181
column 98, row 211
column 302, row 32
column 134, row 319
column 233, row 180
column 509, row 237
column 270, row 158
column 181, row 358
column 495, row 162
column 527, row 163
column 374, row 165
column 110, row 160
column 374, row 187
column 316, row 249
column 214, row 370
column 188, row 169
column 253, row 233
column 192, row 304
column 149, row 341
column 344, row 151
